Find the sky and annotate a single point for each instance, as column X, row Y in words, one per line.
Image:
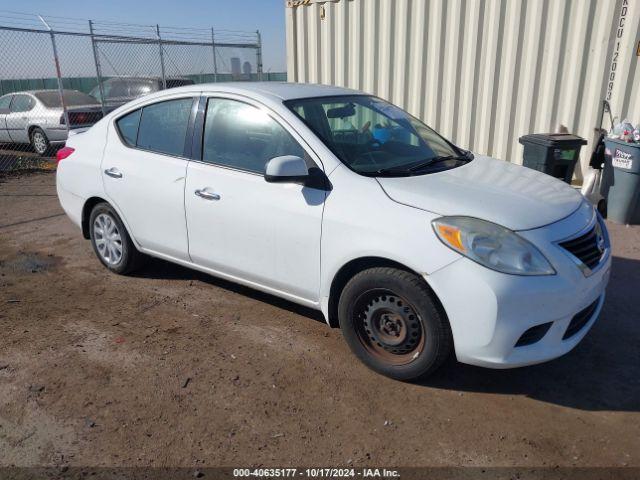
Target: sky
column 268, row 16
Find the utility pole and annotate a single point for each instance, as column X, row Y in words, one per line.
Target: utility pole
column 96, row 59
column 259, row 55
column 58, row 73
column 215, row 60
column 164, row 78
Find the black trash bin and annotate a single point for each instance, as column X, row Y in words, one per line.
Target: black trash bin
column 621, row 181
column 553, row 153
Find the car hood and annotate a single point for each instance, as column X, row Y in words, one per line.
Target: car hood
column 510, row 195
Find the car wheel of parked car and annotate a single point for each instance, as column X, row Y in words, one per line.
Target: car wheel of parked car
column 393, row 323
column 40, row 142
column 111, row 242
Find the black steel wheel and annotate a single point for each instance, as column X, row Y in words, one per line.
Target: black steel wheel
column 393, row 322
column 389, row 326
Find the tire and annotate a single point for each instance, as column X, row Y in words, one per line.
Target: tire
column 111, row 241
column 394, row 324
column 40, row 142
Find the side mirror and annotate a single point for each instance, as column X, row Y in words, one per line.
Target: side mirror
column 286, row 169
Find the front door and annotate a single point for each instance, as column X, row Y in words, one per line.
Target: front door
column 242, row 226
column 144, row 169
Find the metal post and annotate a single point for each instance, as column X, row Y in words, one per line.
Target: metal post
column 215, row 60
column 58, row 73
column 96, row 59
column 259, row 55
column 164, row 78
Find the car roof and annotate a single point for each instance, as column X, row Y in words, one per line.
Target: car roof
column 273, row 90
column 156, row 79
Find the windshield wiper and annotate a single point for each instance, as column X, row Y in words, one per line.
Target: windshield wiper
column 393, row 171
column 434, row 160
column 409, row 170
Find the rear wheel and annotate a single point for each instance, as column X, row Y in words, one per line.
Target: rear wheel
column 40, row 142
column 111, row 242
column 393, row 323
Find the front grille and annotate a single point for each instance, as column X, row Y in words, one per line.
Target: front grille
column 533, row 335
column 586, row 247
column 579, row 320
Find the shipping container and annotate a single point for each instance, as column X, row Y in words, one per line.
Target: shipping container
column 481, row 72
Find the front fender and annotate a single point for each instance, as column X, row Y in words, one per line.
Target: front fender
column 360, row 220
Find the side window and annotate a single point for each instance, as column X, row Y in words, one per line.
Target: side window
column 163, row 126
column 5, row 102
column 128, row 127
column 22, row 103
column 244, row 137
column 299, row 109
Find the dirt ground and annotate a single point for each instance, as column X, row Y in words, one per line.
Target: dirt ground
column 174, row 368
column 22, row 157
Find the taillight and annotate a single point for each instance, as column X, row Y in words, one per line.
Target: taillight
column 64, row 152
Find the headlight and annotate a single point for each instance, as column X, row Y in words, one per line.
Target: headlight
column 491, row 245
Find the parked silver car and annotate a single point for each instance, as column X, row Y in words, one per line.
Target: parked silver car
column 119, row 90
column 36, row 117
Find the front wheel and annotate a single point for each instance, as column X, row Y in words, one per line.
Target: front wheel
column 394, row 324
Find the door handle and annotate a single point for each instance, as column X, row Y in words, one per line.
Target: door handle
column 113, row 172
column 207, row 195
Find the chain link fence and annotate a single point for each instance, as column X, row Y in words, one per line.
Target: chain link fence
column 59, row 75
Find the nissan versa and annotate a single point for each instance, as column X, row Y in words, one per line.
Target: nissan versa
column 342, row 202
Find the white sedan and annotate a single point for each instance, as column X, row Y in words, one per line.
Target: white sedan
column 340, row 201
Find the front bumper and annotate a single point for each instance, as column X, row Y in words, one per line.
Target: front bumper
column 490, row 311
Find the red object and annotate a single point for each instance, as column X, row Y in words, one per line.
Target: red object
column 63, row 153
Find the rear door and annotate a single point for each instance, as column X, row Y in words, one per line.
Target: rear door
column 144, row 167
column 19, row 117
column 240, row 225
column 5, row 103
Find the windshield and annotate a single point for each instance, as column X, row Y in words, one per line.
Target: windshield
column 51, row 98
column 376, row 138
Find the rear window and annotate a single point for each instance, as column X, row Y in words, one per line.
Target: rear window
column 160, row 127
column 72, row 98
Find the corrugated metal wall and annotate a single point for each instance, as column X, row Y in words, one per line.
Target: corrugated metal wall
column 481, row 72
